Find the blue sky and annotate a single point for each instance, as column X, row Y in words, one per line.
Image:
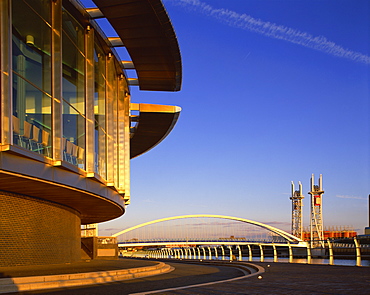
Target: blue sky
column 273, row 91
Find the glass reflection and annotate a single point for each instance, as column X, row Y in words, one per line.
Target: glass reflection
column 73, row 141
column 99, row 111
column 31, row 75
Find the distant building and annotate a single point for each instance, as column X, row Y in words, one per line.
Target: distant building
column 333, row 233
column 68, row 127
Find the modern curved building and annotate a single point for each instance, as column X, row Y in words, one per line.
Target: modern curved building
column 68, row 127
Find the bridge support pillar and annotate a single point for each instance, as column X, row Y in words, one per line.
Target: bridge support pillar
column 331, row 256
column 358, row 252
column 275, row 253
column 250, row 253
column 198, row 253
column 290, row 254
column 261, row 253
column 308, row 253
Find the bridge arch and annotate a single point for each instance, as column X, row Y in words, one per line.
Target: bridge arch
column 282, row 233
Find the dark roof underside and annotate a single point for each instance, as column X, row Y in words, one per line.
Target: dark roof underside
column 148, row 35
column 153, row 127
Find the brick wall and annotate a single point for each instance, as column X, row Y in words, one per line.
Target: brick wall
column 35, row 231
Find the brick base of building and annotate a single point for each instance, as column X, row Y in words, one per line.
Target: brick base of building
column 34, row 232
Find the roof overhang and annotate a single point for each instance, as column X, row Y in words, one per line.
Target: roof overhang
column 155, row 122
column 92, row 208
column 27, row 173
column 148, row 35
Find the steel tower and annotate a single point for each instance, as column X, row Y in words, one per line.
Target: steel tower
column 297, row 216
column 316, row 222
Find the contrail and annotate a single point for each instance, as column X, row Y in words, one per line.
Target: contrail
column 350, row 197
column 247, row 22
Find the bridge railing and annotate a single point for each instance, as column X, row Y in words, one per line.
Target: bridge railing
column 195, row 240
column 183, row 252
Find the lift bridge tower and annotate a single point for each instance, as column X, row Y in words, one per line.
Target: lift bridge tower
column 297, row 216
column 316, row 223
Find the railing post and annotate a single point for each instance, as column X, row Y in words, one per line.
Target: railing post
column 358, row 252
column 262, row 259
column 331, row 256
column 250, row 253
column 275, row 253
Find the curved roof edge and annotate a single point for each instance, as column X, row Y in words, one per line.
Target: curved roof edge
column 155, row 123
column 148, row 35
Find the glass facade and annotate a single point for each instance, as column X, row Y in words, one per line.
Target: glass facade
column 31, row 63
column 73, row 90
column 64, row 80
column 99, row 109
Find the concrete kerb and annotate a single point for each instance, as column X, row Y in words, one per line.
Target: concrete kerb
column 9, row 285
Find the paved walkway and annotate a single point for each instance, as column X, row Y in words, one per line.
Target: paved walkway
column 279, row 278
column 31, row 278
column 69, row 268
column 288, row 278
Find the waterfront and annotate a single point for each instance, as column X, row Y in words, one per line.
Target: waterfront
column 319, row 261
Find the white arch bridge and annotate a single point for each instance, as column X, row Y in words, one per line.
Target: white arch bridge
column 192, row 236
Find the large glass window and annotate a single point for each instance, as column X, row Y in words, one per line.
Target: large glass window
column 112, row 99
column 99, row 111
column 35, row 81
column 32, row 75
column 73, row 55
